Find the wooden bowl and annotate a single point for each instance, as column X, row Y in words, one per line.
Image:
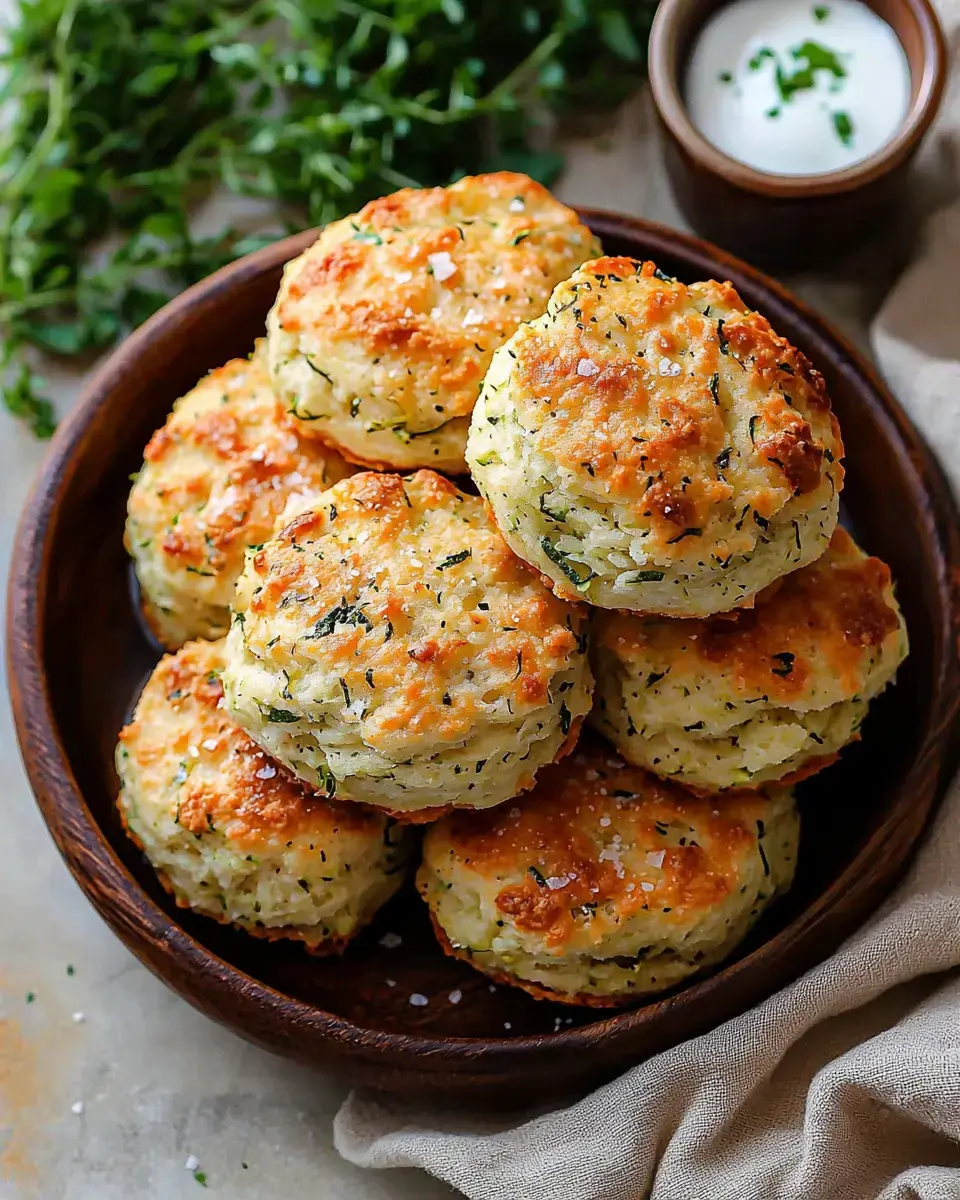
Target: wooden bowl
column 791, row 222
column 77, row 658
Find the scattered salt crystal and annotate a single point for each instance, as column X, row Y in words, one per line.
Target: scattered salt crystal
column 403, row 276
column 391, row 940
column 507, row 1025
column 473, row 317
column 556, row 881
column 192, row 1163
column 210, row 744
column 419, row 1000
column 455, row 996
column 443, row 265
column 78, row 1018
column 604, row 821
column 655, row 857
column 390, row 982
column 193, row 751
column 669, row 368
column 631, row 887
column 266, row 771
column 587, row 367
column 647, row 887
column 77, row 1107
column 516, row 204
column 492, row 987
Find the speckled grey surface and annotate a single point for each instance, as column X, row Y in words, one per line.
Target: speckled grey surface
column 157, row 1081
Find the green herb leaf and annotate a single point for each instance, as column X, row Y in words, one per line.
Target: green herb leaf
column 452, row 559
column 843, row 125
column 561, row 558
column 281, row 716
column 646, row 577
column 118, row 117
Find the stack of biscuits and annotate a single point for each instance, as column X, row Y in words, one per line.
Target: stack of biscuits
column 594, row 683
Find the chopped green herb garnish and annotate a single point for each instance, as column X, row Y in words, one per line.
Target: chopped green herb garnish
column 754, row 420
column 117, row 117
column 31, row 996
column 561, row 558
column 452, row 559
column 726, row 77
column 565, row 718
column 844, row 127
column 658, row 274
column 645, row 577
column 343, row 614
column 685, row 534
column 820, row 12
column 200, row 1177
column 763, row 53
column 721, row 339
column 541, row 882
column 715, row 387
column 281, row 716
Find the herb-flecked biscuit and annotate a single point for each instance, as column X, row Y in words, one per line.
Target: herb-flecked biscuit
column 606, row 884
column 214, row 480
column 770, row 693
column 655, row 447
column 383, row 330
column 234, row 836
column 387, row 647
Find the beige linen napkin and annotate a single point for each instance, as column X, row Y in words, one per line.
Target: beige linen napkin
column 846, row 1085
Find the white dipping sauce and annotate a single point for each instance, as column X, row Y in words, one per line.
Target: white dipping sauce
column 792, row 87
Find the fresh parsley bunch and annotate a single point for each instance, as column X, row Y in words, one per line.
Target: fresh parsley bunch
column 117, row 116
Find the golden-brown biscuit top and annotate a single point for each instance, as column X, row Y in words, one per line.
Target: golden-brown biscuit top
column 402, row 592
column 220, row 471
column 676, row 401
column 427, row 283
column 820, row 628
column 601, row 835
column 185, row 747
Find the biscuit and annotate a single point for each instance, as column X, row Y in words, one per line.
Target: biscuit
column 214, row 480
column 606, row 884
column 773, row 692
column 655, row 447
column 231, row 834
column 388, row 648
column 383, row 329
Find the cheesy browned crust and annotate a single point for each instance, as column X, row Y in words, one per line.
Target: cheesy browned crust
column 214, row 480
column 389, row 648
column 604, row 883
column 383, row 330
column 764, row 694
column 656, row 447
column 231, row 833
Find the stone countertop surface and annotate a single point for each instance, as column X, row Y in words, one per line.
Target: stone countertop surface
column 83, row 1023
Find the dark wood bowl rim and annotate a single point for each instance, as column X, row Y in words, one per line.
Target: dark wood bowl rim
column 667, row 89
column 60, row 799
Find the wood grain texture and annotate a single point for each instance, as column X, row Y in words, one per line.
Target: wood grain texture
column 77, row 657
